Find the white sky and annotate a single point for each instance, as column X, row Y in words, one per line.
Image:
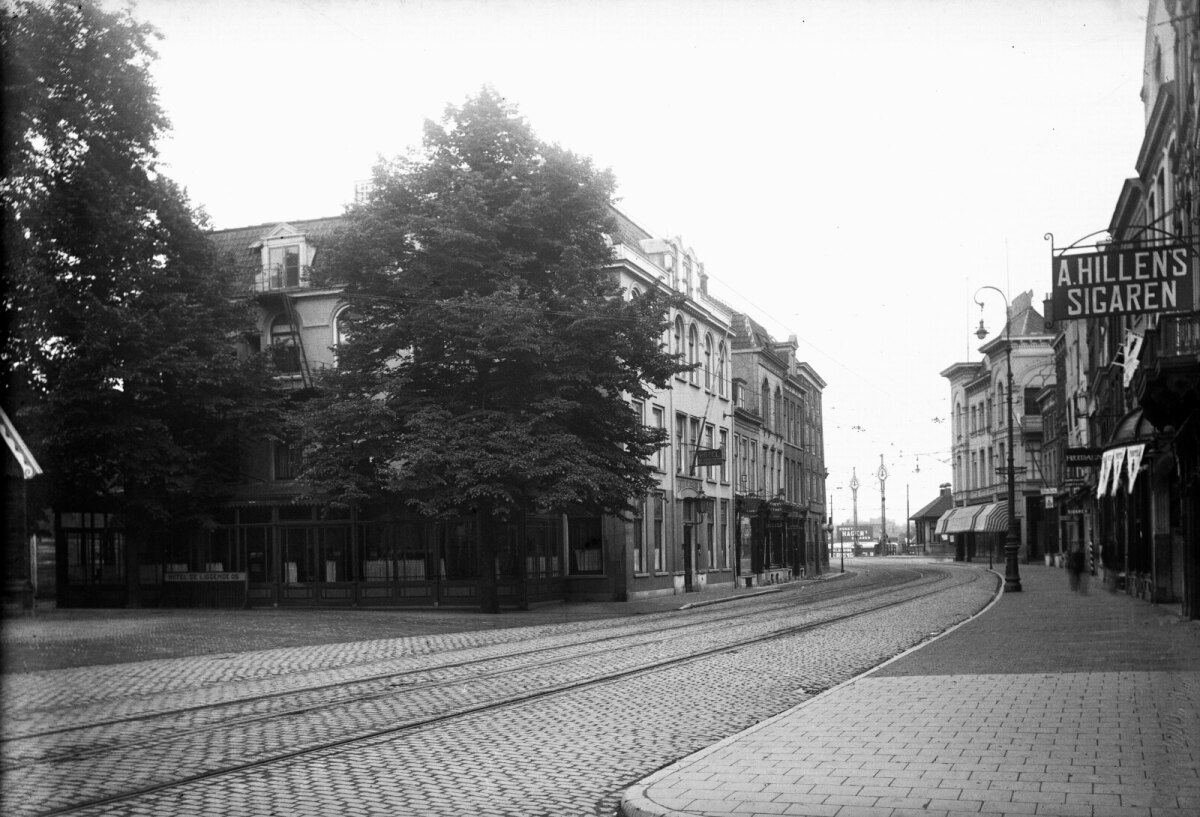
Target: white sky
column 850, row 171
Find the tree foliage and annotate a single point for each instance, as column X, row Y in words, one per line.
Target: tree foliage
column 491, row 351
column 118, row 325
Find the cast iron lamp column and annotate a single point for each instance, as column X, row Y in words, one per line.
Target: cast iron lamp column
column 883, row 475
column 1012, row 539
column 854, row 490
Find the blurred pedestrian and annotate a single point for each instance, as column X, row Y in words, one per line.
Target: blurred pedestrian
column 1075, row 565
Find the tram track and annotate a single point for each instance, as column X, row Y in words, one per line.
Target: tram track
column 629, row 628
column 366, row 736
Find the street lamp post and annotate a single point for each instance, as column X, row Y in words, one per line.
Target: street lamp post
column 1012, row 539
column 854, row 490
column 883, row 475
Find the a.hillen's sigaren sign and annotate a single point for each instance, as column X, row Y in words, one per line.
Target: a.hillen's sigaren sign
column 1122, row 282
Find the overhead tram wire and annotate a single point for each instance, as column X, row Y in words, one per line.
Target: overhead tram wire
column 832, row 358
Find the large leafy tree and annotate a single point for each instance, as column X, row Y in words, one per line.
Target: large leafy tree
column 118, row 324
column 491, row 351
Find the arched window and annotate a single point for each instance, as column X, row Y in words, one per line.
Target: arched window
column 285, row 345
column 764, row 396
column 777, row 410
column 340, row 333
column 721, row 369
column 708, row 361
column 693, row 342
column 679, row 336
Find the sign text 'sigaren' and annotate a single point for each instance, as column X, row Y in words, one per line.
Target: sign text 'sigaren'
column 1122, row 282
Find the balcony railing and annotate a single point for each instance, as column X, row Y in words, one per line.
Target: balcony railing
column 281, row 279
column 1176, row 337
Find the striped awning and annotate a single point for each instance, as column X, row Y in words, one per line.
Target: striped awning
column 993, row 518
column 958, row 520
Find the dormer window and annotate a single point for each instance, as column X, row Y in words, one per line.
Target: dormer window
column 284, row 266
column 285, row 259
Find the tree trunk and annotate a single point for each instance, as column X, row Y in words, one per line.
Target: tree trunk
column 489, row 598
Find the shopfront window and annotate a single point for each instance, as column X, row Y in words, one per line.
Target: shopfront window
column 256, row 542
column 723, row 533
column 297, row 557
column 334, row 557
column 710, row 539
column 543, row 546
column 95, row 548
column 587, row 554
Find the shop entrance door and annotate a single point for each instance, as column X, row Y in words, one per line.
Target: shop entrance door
column 689, row 557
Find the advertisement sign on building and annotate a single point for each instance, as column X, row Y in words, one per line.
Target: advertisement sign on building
column 1122, row 282
column 1082, row 458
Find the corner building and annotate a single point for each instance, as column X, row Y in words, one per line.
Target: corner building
column 691, row 532
column 978, row 522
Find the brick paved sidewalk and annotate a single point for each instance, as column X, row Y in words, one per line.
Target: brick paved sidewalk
column 1048, row 703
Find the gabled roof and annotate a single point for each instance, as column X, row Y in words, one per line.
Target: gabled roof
column 1026, row 320
column 628, row 232
column 935, row 509
column 749, row 332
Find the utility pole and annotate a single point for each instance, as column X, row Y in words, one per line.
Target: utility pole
column 907, row 517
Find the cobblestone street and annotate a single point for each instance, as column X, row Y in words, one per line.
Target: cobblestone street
column 572, row 752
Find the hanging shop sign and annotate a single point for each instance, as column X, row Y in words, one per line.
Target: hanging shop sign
column 1122, row 282
column 710, row 456
column 1082, row 457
